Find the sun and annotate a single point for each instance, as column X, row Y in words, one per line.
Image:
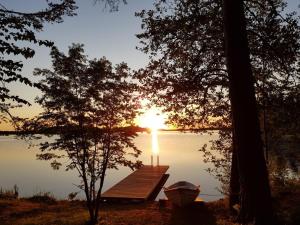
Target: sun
column 152, row 119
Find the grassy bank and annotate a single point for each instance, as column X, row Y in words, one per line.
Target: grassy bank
column 45, row 210
column 28, row 211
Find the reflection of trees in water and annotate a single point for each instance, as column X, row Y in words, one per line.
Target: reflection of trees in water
column 283, row 163
column 219, row 154
column 281, row 135
column 284, row 151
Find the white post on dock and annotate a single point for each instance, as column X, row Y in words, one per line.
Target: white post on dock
column 157, row 158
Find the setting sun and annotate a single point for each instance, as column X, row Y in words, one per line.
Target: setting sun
column 152, row 119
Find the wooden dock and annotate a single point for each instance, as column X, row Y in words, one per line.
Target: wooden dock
column 143, row 184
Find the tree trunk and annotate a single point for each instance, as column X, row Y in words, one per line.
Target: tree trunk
column 93, row 217
column 254, row 183
column 234, row 186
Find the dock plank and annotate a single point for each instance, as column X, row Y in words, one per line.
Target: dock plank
column 138, row 185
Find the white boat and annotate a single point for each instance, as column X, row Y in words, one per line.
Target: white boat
column 182, row 193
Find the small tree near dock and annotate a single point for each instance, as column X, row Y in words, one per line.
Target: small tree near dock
column 91, row 105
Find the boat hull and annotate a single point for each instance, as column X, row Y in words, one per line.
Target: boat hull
column 182, row 195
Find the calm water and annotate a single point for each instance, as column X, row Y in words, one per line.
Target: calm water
column 178, row 150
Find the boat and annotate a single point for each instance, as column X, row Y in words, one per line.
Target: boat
column 182, row 193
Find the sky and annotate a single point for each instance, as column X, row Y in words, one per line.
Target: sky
column 103, row 34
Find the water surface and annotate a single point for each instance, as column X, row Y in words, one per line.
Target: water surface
column 18, row 165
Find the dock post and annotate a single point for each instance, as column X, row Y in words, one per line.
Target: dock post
column 151, row 160
column 157, row 160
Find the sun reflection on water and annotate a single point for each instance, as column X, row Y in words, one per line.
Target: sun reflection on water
column 155, row 147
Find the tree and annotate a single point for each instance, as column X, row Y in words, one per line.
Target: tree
column 188, row 68
column 253, row 175
column 91, row 106
column 16, row 28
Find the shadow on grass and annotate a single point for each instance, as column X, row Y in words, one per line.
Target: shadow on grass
column 192, row 215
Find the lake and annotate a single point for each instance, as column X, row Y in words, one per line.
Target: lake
column 18, row 165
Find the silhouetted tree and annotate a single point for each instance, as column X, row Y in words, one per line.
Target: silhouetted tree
column 189, row 77
column 17, row 28
column 253, row 176
column 91, row 105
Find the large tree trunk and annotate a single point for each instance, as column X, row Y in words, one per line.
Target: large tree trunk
column 234, row 186
column 254, row 183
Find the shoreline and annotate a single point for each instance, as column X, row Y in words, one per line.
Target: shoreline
column 139, row 130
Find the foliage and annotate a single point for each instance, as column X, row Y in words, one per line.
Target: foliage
column 92, row 106
column 186, row 43
column 18, row 32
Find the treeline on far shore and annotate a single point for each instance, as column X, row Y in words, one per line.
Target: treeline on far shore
column 57, row 130
column 49, row 131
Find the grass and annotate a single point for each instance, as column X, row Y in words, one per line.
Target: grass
column 28, row 212
column 44, row 209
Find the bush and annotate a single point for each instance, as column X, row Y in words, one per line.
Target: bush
column 43, row 197
column 9, row 194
